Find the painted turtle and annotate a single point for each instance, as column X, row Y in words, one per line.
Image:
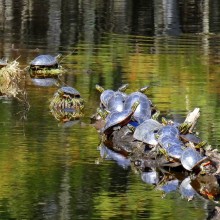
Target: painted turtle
column 44, row 61
column 143, row 111
column 191, row 158
column 105, row 95
column 175, row 151
column 166, row 141
column 120, row 119
column 145, row 132
column 168, row 131
column 116, row 102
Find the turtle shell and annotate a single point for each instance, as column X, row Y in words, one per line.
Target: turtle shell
column 70, row 91
column 105, row 96
column 116, row 118
column 169, row 186
column 175, row 151
column 186, row 189
column 116, row 102
column 143, row 111
column 166, row 141
column 151, row 177
column 44, row 60
column 191, row 158
column 168, row 131
column 146, row 131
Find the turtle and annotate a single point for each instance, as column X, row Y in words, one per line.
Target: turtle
column 115, row 119
column 143, row 111
column 146, row 131
column 175, row 151
column 116, row 102
column 45, row 61
column 168, row 131
column 191, row 159
column 190, row 137
column 105, row 95
column 108, row 94
column 166, row 141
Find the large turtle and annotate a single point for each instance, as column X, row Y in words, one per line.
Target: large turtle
column 143, row 111
column 146, row 131
column 45, row 61
column 191, row 159
column 118, row 119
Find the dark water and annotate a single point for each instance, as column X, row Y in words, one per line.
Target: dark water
column 49, row 171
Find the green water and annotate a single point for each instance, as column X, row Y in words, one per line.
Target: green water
column 49, row 171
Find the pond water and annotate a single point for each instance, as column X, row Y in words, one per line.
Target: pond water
column 49, row 171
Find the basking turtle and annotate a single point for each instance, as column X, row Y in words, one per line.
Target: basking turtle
column 168, row 131
column 191, row 159
column 108, row 94
column 146, row 131
column 175, row 151
column 116, row 102
column 143, row 111
column 118, row 119
column 105, row 95
column 44, row 62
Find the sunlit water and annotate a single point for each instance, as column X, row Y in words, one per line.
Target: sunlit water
column 49, row 171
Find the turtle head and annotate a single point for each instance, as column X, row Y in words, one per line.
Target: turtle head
column 99, row 88
column 123, row 87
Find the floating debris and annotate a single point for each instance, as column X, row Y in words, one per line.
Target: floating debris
column 10, row 76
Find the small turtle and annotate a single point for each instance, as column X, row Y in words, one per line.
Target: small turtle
column 168, row 131
column 115, row 119
column 45, row 61
column 190, row 138
column 175, row 151
column 166, row 141
column 191, row 159
column 105, row 95
column 146, row 131
column 143, row 111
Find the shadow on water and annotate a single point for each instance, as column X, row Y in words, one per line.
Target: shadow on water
column 48, row 171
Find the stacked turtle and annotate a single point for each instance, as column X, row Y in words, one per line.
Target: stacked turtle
column 131, row 118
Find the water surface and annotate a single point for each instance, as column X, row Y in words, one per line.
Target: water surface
column 48, row 171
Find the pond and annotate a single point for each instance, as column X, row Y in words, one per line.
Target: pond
column 49, row 171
